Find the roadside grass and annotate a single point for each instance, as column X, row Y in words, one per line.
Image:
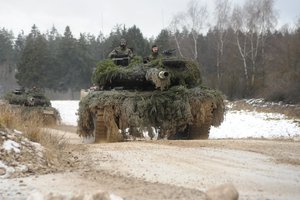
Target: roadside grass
column 31, row 125
column 7, row 117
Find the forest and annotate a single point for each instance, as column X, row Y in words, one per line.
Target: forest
column 241, row 53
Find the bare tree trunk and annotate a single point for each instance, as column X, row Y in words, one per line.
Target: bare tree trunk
column 252, row 59
column 178, row 46
column 220, row 52
column 254, row 53
column 263, row 60
column 222, row 11
column 218, row 63
column 243, row 55
column 174, row 29
column 260, row 17
column 195, row 45
column 194, row 21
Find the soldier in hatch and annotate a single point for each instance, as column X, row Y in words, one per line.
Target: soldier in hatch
column 121, row 51
column 154, row 53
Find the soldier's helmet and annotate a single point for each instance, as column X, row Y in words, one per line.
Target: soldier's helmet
column 123, row 42
column 154, row 48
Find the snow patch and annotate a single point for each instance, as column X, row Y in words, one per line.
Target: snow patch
column 10, row 145
column 8, row 170
column 67, row 110
column 237, row 124
column 242, row 124
column 17, row 132
column 114, row 197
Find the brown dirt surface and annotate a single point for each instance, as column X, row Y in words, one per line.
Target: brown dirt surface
column 281, row 151
column 181, row 169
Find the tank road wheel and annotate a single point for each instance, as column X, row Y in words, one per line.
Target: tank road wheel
column 100, row 130
column 197, row 131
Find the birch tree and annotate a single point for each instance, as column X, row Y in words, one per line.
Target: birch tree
column 222, row 12
column 260, row 18
column 175, row 28
column 267, row 21
column 238, row 26
column 254, row 21
column 194, row 21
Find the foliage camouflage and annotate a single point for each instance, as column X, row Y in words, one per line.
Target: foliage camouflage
column 185, row 73
column 49, row 115
column 33, row 101
column 170, row 111
column 28, row 98
column 181, row 102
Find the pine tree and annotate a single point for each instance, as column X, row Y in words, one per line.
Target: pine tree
column 7, row 61
column 53, row 66
column 75, row 62
column 33, row 61
column 19, row 46
column 6, row 46
column 137, row 42
column 163, row 40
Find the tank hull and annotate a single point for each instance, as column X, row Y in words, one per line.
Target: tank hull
column 179, row 113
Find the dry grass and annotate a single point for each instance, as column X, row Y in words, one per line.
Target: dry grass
column 31, row 124
column 7, row 117
column 56, row 148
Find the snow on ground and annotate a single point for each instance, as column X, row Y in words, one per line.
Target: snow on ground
column 19, row 156
column 10, row 145
column 67, row 110
column 237, row 124
column 243, row 124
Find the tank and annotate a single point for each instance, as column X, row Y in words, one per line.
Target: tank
column 164, row 98
column 33, row 100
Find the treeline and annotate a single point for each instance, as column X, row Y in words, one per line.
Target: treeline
column 60, row 62
column 242, row 54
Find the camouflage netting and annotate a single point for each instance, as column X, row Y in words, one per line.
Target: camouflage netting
column 34, row 101
column 49, row 115
column 130, row 103
column 28, row 98
column 185, row 73
column 169, row 111
column 154, row 75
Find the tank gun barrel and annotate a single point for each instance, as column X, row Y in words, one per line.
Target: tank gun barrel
column 120, row 58
column 169, row 52
column 160, row 78
column 163, row 74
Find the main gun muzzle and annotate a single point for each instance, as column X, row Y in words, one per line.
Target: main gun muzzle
column 163, row 74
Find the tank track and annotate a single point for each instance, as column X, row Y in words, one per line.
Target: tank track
column 202, row 131
column 194, row 131
column 100, row 130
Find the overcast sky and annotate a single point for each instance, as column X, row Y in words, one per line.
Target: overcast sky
column 93, row 16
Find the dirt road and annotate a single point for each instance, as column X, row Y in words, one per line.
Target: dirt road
column 259, row 169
